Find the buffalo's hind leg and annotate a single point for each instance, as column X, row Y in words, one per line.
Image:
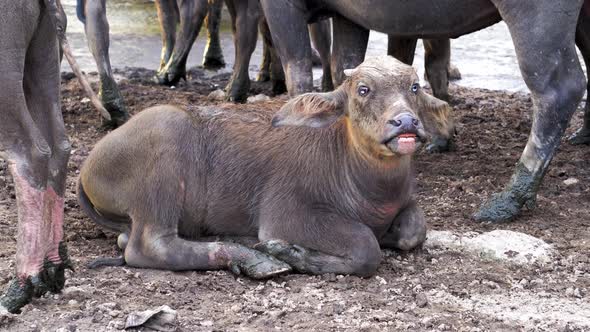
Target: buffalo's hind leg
column 153, row 245
column 407, row 231
column 582, row 135
column 557, row 84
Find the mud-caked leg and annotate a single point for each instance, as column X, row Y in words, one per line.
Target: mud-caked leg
column 168, row 18
column 557, row 84
column 245, row 16
column 321, row 36
column 582, row 135
column 97, row 33
column 36, row 152
column 349, row 47
column 191, row 13
column 292, row 42
column 213, row 57
column 407, row 231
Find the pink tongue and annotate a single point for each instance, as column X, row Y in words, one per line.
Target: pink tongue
column 406, row 145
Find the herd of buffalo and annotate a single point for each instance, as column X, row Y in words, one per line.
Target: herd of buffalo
column 321, row 186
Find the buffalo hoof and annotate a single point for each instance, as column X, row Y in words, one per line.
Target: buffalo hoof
column 113, row 102
column 581, row 136
column 291, row 253
column 453, row 73
column 213, row 63
column 259, row 266
column 501, row 207
column 263, row 76
column 18, row 294
column 170, row 76
column 237, row 93
column 279, row 87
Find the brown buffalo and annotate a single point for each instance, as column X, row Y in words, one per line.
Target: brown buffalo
column 322, row 189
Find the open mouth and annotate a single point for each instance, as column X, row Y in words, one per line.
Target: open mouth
column 406, row 143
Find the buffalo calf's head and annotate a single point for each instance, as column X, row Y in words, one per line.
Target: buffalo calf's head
column 386, row 112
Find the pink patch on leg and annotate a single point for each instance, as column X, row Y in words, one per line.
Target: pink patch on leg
column 32, row 235
column 54, row 212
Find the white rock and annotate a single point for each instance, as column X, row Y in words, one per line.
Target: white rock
column 570, row 181
column 217, row 95
column 514, row 247
column 258, row 98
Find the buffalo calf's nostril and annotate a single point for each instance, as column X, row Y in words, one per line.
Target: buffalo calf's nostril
column 396, row 123
column 415, row 122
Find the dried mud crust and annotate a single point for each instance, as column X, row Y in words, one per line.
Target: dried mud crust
column 420, row 291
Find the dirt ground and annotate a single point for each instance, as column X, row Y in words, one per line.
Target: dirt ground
column 425, row 290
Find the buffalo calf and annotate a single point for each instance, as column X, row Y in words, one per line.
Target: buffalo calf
column 321, row 186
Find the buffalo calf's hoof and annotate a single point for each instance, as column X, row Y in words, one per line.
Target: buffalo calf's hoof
column 259, row 266
column 581, row 136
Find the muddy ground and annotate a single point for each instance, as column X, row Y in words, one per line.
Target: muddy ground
column 425, row 290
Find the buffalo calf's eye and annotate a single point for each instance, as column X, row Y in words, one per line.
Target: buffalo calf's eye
column 415, row 87
column 363, row 90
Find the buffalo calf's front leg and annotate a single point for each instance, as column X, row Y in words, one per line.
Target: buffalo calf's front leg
column 407, row 231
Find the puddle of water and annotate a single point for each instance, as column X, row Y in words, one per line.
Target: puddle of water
column 486, row 58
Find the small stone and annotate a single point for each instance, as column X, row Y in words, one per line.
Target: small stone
column 258, row 98
column 421, row 300
column 217, row 95
column 73, row 303
column 570, row 181
column 207, row 323
column 85, row 100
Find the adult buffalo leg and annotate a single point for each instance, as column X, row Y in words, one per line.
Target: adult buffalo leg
column 191, row 13
column 291, row 40
column 321, row 36
column 557, row 84
column 213, row 57
column 33, row 140
column 402, row 49
column 96, row 27
column 349, row 47
column 437, row 59
column 275, row 67
column 245, row 16
column 264, row 72
column 168, row 17
column 582, row 135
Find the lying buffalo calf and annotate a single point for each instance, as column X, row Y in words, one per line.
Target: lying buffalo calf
column 321, row 193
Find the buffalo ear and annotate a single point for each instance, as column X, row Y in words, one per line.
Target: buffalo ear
column 436, row 116
column 316, row 110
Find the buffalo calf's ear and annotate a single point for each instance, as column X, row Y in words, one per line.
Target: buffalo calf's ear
column 436, row 116
column 317, row 110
